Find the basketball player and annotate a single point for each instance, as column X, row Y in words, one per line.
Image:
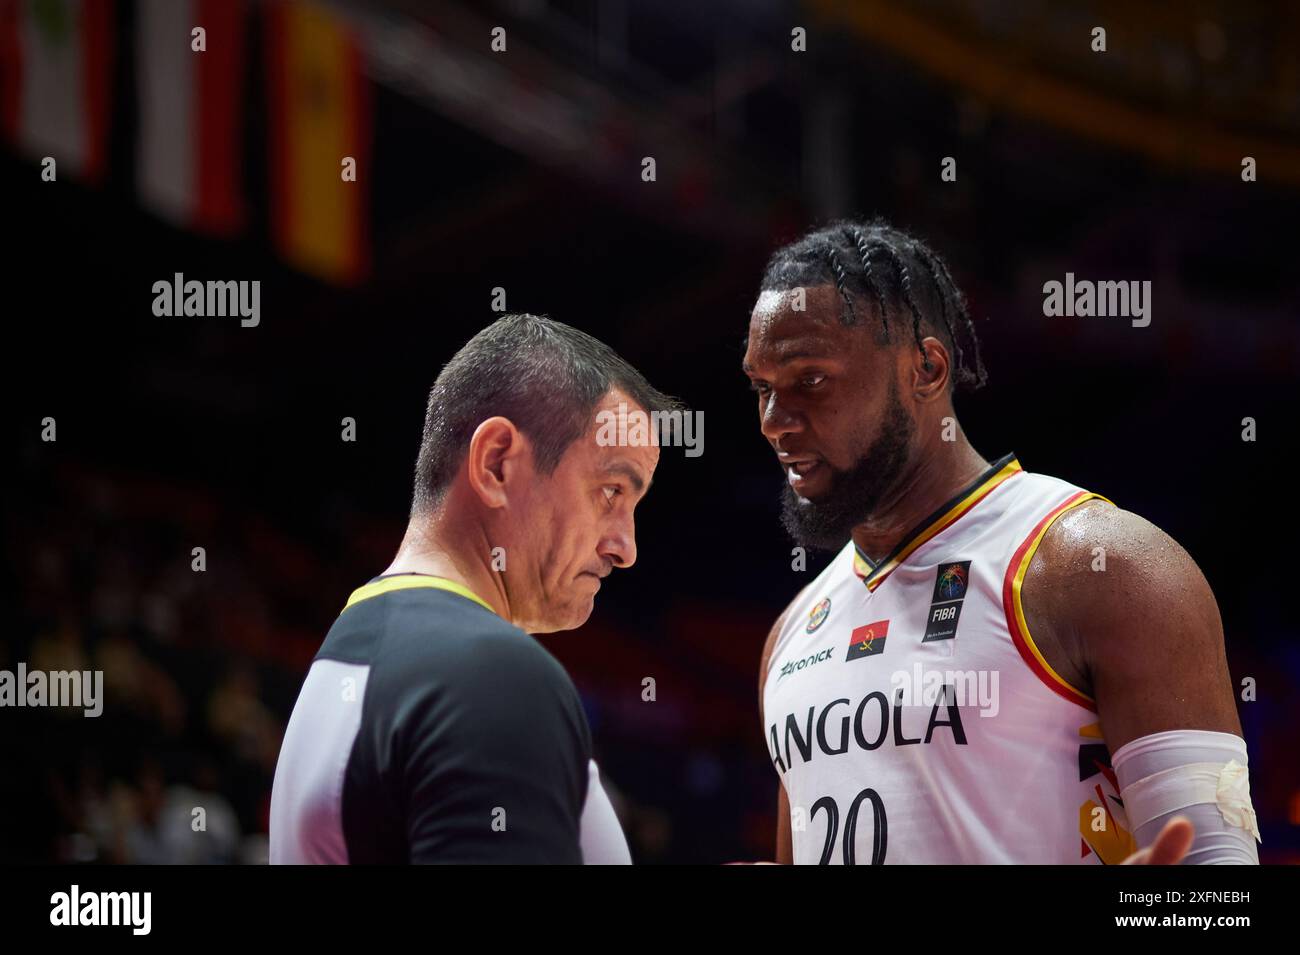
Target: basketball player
column 431, row 727
column 1111, row 709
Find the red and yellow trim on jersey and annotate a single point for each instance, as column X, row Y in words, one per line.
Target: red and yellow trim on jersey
column 406, row 581
column 861, row 566
column 1011, row 602
column 873, row 576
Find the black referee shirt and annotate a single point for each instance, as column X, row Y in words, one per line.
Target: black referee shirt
column 430, row 730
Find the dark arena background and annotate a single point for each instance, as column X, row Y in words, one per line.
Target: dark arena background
column 513, row 180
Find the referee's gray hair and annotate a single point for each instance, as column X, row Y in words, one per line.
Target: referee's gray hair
column 543, row 375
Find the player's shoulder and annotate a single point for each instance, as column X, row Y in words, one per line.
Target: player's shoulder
column 1097, row 553
column 822, row 581
column 1121, row 534
column 1106, row 582
column 778, row 624
column 774, row 634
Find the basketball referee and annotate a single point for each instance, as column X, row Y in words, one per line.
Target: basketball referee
column 431, row 728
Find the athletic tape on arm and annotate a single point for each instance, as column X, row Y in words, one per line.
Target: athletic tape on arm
column 1199, row 774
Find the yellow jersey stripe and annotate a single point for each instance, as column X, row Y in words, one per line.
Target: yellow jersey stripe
column 1018, row 580
column 406, row 582
column 945, row 520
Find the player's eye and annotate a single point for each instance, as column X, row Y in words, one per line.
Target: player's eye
column 812, row 381
column 611, row 491
column 759, row 387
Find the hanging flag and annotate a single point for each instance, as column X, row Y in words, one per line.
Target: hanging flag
column 57, row 81
column 11, row 66
column 189, row 153
column 318, row 116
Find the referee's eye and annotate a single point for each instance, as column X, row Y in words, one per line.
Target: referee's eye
column 611, row 491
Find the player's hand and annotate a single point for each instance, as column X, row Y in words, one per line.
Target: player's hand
column 1170, row 846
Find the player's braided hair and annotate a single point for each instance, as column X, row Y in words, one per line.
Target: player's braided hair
column 890, row 271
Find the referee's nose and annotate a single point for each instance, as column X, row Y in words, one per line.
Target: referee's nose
column 618, row 546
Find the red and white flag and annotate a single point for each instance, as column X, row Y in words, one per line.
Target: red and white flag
column 55, row 84
column 189, row 152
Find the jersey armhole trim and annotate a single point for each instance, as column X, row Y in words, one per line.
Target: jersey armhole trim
column 1015, row 611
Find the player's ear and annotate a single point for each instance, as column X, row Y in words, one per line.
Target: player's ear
column 930, row 382
column 497, row 452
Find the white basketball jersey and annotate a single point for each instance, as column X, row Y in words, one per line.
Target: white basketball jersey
column 910, row 716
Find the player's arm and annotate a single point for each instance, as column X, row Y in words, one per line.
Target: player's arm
column 1144, row 639
column 784, row 842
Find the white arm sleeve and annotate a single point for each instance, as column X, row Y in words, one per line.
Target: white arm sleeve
column 1199, row 774
column 602, row 837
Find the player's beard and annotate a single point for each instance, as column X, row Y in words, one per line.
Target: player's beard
column 854, row 493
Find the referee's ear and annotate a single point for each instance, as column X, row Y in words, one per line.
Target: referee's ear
column 498, row 455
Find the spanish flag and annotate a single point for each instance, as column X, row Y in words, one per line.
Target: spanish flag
column 319, row 116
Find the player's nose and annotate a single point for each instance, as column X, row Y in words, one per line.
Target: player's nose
column 778, row 420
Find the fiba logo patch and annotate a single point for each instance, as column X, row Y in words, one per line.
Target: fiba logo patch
column 818, row 614
column 950, row 582
column 868, row 640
